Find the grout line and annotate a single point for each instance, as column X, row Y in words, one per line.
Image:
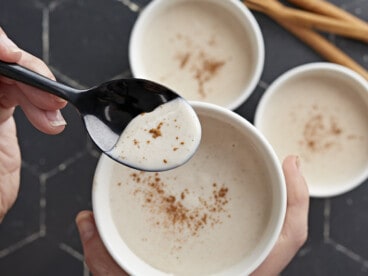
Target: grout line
column 131, row 5
column 50, row 173
column 86, row 271
column 30, row 168
column 61, row 167
column 67, row 79
column 43, row 203
column 71, row 251
column 304, row 251
column 326, row 223
column 91, row 148
column 14, row 247
column 365, row 58
column 46, row 35
column 349, row 253
column 263, row 84
column 54, row 4
column 125, row 74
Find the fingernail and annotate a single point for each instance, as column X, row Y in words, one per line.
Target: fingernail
column 60, row 100
column 55, row 118
column 9, row 44
column 85, row 226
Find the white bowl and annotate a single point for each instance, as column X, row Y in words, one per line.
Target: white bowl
column 206, row 50
column 228, row 164
column 319, row 111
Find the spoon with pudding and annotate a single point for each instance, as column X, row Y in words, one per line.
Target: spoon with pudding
column 136, row 122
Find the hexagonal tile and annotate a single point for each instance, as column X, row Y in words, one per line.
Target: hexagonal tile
column 89, row 39
column 350, row 210
column 22, row 21
column 44, row 152
column 23, row 219
column 39, row 258
column 67, row 193
column 323, row 259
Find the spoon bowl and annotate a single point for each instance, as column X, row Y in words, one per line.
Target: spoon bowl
column 109, row 108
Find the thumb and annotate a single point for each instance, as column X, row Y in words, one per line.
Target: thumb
column 96, row 256
column 295, row 229
column 9, row 52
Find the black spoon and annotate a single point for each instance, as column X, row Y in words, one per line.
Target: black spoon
column 106, row 109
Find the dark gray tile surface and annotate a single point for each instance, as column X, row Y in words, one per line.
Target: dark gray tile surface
column 85, row 42
column 98, row 30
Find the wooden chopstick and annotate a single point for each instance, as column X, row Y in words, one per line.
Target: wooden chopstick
column 317, row 42
column 328, row 9
column 311, row 20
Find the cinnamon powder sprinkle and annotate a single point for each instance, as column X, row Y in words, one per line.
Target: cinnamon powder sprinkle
column 156, row 132
column 206, row 71
column 183, row 58
column 197, row 61
column 321, row 133
column 173, row 213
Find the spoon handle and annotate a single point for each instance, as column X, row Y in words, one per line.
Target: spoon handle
column 19, row 73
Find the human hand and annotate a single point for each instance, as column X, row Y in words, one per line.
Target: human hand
column 293, row 235
column 294, row 232
column 42, row 110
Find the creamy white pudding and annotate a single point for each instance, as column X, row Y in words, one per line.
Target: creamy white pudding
column 162, row 139
column 322, row 116
column 200, row 49
column 203, row 217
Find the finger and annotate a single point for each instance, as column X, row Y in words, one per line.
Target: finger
column 6, row 105
column 9, row 52
column 10, row 160
column 295, row 228
column 36, row 96
column 296, row 221
column 47, row 121
column 5, row 113
column 96, row 256
column 11, row 95
column 41, row 99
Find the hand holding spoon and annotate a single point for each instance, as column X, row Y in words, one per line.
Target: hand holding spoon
column 134, row 121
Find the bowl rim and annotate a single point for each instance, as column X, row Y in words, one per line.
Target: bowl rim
column 273, row 228
column 247, row 20
column 307, row 68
